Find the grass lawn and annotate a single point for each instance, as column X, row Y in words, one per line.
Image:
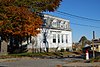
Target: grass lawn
column 49, row 54
column 52, row 54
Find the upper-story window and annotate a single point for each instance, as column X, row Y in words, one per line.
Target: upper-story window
column 62, row 24
column 54, row 23
column 65, row 25
column 58, row 23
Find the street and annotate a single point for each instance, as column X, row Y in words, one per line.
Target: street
column 30, row 62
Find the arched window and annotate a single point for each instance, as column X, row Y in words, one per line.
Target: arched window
column 54, row 23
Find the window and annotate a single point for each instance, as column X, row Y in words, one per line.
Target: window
column 62, row 25
column 58, row 23
column 54, row 38
column 62, row 38
column 66, row 38
column 58, row 38
column 54, row 23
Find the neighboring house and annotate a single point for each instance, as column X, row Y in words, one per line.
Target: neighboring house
column 96, row 45
column 55, row 35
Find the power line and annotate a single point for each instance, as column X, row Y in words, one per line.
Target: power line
column 65, row 13
column 85, row 25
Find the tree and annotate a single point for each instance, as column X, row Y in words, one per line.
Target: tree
column 84, row 41
column 83, row 38
column 20, row 18
column 39, row 5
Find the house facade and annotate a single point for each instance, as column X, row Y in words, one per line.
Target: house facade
column 55, row 35
column 96, row 45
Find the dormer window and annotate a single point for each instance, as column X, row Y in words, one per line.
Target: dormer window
column 54, row 23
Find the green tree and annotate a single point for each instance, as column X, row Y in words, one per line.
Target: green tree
column 82, row 40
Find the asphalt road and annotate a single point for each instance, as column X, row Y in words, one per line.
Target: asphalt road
column 32, row 63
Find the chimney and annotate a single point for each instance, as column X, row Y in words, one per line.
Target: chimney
column 93, row 34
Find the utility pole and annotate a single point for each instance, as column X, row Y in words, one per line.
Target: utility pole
column 93, row 43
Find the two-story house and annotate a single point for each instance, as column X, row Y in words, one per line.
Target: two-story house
column 55, row 35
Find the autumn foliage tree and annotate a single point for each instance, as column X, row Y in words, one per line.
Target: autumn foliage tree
column 20, row 18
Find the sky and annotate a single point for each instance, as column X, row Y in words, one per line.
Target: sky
column 89, row 9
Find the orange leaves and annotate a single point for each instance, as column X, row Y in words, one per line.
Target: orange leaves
column 21, row 21
column 36, row 5
column 32, row 28
column 1, row 23
column 19, row 17
column 19, row 11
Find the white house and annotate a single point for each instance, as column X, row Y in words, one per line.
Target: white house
column 55, row 34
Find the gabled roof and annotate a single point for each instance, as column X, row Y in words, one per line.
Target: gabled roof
column 53, row 22
column 96, row 40
column 56, row 17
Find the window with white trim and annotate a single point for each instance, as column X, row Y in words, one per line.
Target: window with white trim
column 66, row 38
column 54, row 38
column 62, row 38
column 58, row 38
